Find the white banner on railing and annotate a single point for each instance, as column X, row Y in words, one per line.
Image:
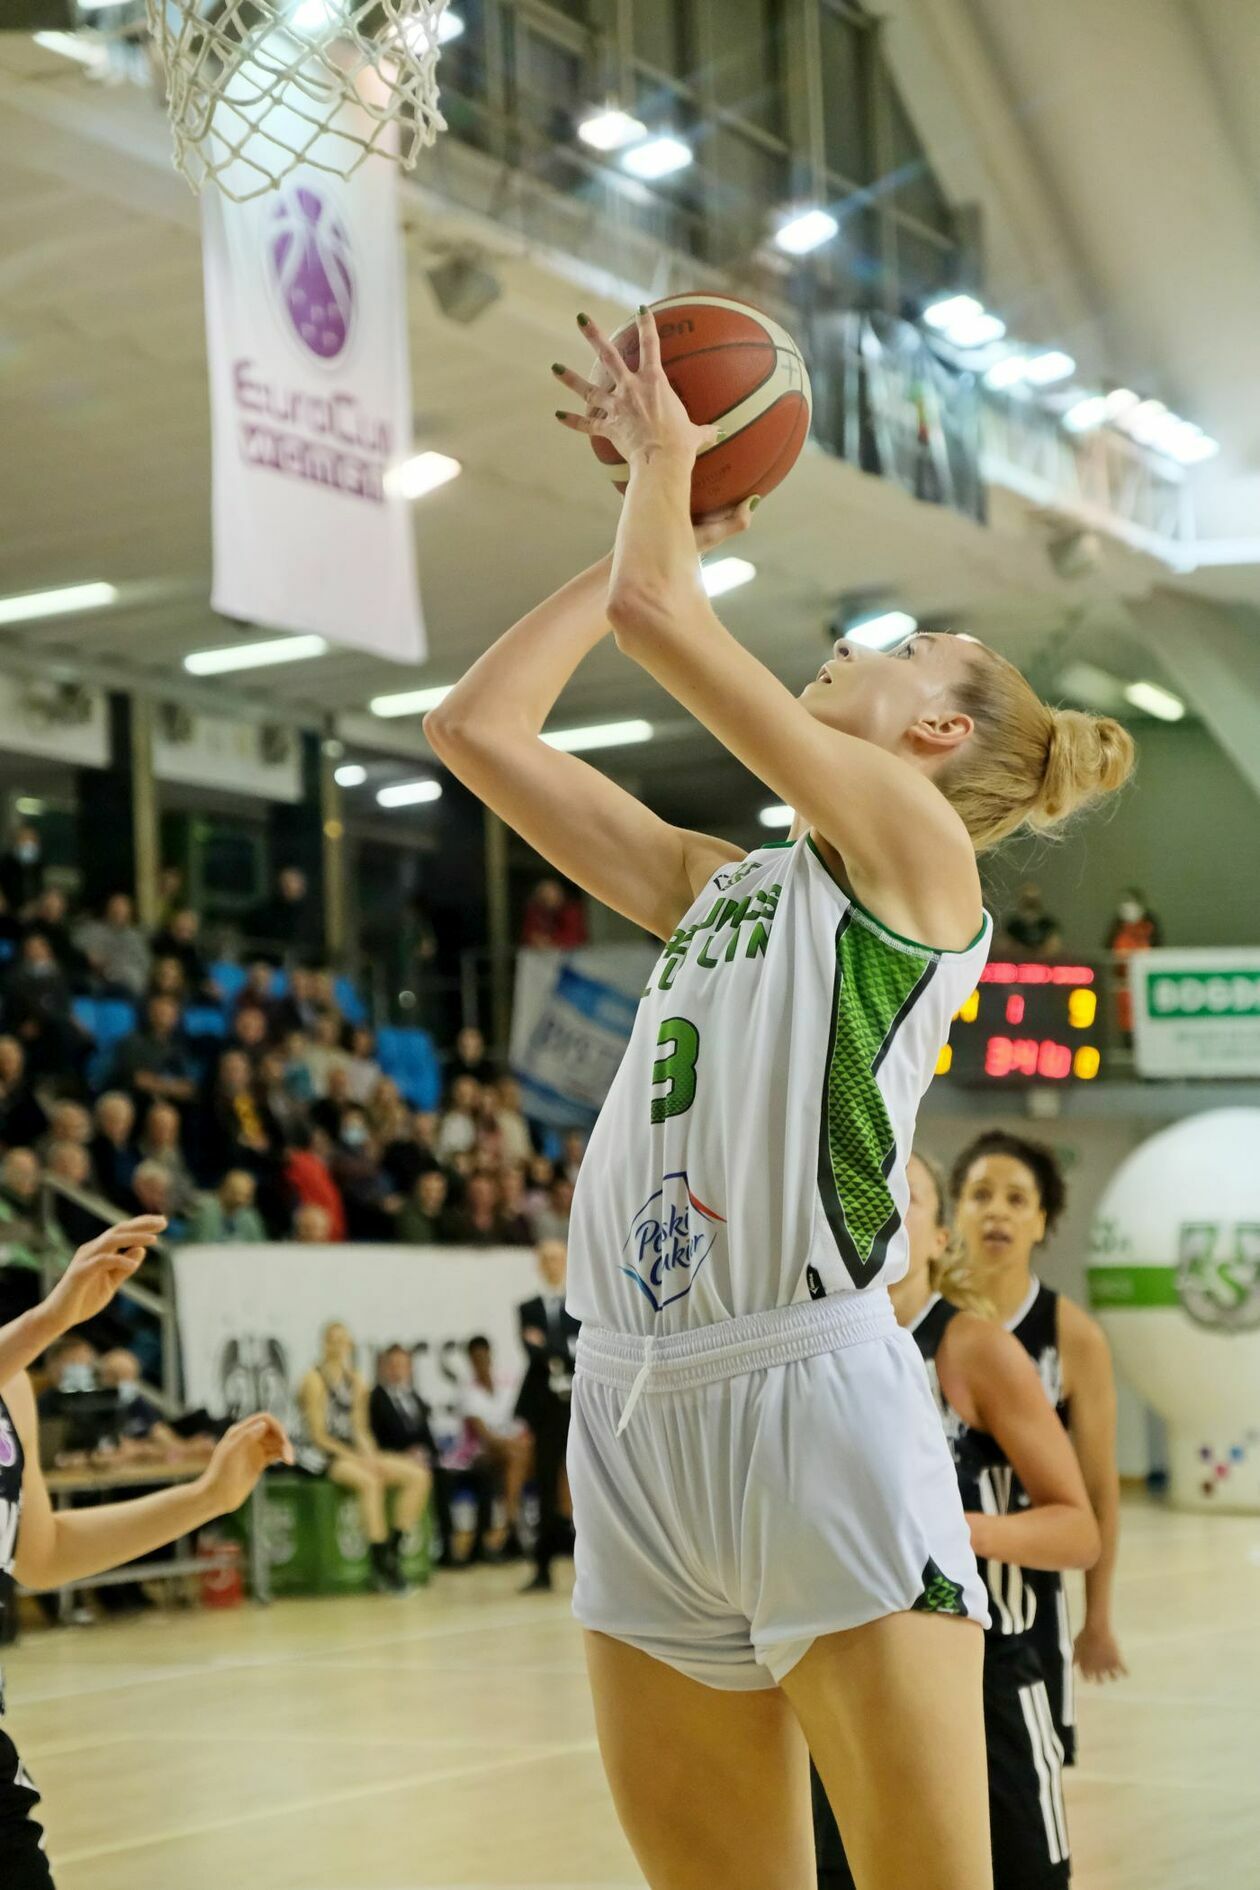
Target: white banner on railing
column 1196, row 1011
column 571, row 1021
column 251, row 1318
column 310, row 402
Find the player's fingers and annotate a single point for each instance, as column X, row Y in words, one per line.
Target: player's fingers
column 609, row 355
column 570, row 378
column 649, row 340
column 582, row 422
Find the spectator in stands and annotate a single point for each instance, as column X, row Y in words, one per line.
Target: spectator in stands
column 170, row 893
column 549, row 1334
column 22, row 1119
column 297, row 1076
column 161, row 1142
column 470, row 1059
column 329, row 1111
column 513, row 1219
column 228, row 1216
column 552, row 1222
column 539, row 1176
column 425, row 1218
column 324, row 992
column 1134, row 928
column 290, row 918
column 69, row 1122
column 68, row 1161
column 22, row 869
column 412, row 1155
column 297, row 1009
column 339, row 1444
column 241, row 1132
column 250, row 1032
column 10, row 927
column 505, row 1101
column 178, row 939
column 276, row 1094
column 457, row 1131
column 151, row 1192
column 372, row 1205
column 388, row 1113
column 144, row 1435
column 37, row 1011
column 574, row 1150
column 363, row 1069
column 1030, row 931
column 311, row 1224
column 310, row 1179
column 496, row 1436
column 554, row 918
column 478, row 1223
column 155, row 1063
column 116, row 948
column 401, row 1422
column 325, row 1052
column 258, row 990
column 69, row 1365
column 114, row 1157
column 24, row 1241
column 49, row 916
column 166, row 979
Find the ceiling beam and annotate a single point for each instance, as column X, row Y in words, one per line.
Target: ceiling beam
column 1211, row 653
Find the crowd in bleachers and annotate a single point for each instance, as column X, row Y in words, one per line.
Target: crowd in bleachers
column 248, row 1099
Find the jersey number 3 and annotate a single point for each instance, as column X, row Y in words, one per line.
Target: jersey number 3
column 678, row 1069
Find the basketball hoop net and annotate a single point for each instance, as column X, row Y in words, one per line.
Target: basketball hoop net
column 256, row 88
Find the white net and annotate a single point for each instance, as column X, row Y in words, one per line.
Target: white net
column 256, row 88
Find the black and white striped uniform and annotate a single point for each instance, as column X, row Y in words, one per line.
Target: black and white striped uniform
column 23, row 1864
column 1027, row 1818
column 1036, row 1326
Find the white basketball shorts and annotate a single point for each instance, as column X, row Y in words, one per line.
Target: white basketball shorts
column 742, row 1488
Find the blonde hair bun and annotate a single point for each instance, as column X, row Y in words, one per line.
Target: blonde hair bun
column 1087, row 756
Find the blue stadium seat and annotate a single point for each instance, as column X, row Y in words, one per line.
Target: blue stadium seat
column 353, row 1009
column 107, row 1021
column 204, row 1020
column 410, row 1057
column 229, row 977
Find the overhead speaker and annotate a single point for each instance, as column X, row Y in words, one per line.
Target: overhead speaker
column 463, row 287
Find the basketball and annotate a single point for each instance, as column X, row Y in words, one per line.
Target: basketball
column 731, row 364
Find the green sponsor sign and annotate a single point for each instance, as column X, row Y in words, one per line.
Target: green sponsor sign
column 1196, row 1013
column 1110, row 1287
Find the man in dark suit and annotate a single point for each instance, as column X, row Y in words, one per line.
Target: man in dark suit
column 399, row 1418
column 549, row 1334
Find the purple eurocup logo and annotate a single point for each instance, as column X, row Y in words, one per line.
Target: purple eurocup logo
column 8, row 1447
column 312, row 269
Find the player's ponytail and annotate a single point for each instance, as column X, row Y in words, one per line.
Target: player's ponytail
column 949, row 1274
column 1027, row 764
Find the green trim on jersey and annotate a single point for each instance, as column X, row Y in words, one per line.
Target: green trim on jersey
column 911, row 944
column 877, row 985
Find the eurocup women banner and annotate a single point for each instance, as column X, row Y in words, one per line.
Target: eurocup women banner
column 310, row 397
column 251, row 1319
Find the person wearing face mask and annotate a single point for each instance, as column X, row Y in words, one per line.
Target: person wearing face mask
column 228, row 1215
column 372, row 1203
column 1008, row 1194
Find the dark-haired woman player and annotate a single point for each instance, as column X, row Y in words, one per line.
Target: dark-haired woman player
column 1008, row 1194
column 1004, row 1439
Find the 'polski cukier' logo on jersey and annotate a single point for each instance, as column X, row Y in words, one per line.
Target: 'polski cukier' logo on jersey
column 672, row 1237
column 8, row 1444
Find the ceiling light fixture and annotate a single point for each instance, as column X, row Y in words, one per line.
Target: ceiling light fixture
column 1051, row 366
column 409, row 793
column 410, row 701
column 777, row 816
column 659, row 157
column 883, row 631
column 423, row 473
column 59, row 603
column 83, row 50
column 254, row 655
column 352, row 775
column 952, row 308
column 611, row 130
column 726, row 574
column 1010, row 372
column 1086, row 414
column 1161, row 703
column 806, row 230
column 573, row 741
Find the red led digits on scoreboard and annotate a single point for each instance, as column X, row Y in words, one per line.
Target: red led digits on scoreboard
column 1027, row 1056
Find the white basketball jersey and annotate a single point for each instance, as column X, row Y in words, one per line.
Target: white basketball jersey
column 753, row 1145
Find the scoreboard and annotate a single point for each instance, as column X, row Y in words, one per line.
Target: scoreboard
column 1027, row 1023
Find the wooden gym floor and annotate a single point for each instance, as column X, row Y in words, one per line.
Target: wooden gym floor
column 446, row 1740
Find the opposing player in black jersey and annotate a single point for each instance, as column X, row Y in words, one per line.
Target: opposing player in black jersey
column 1008, row 1194
column 1004, row 1438
column 44, row 1547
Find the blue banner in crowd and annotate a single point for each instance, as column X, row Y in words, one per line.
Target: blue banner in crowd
column 576, row 1041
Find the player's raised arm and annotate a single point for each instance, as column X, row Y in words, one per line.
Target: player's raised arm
column 86, row 1287
column 487, row 732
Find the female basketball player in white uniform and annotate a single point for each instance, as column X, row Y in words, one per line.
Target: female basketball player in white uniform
column 770, row 1540
column 1008, row 1194
column 1025, row 1500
